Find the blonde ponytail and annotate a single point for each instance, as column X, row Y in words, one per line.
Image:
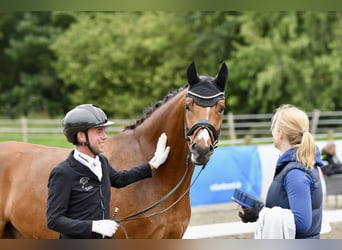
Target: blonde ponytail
column 306, row 150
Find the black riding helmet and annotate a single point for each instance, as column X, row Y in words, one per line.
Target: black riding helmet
column 82, row 118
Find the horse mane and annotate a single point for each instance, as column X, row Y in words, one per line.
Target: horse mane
column 148, row 111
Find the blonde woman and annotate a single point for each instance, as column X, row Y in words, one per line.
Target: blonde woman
column 296, row 185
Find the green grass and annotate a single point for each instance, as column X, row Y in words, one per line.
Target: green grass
column 46, row 132
column 54, row 140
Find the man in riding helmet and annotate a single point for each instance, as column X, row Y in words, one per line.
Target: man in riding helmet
column 79, row 187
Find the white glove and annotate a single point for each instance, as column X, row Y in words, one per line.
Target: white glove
column 161, row 153
column 104, row 227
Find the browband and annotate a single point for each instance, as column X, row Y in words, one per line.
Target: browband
column 205, row 97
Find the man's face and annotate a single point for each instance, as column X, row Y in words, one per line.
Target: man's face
column 97, row 137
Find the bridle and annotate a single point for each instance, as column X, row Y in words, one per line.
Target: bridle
column 206, row 124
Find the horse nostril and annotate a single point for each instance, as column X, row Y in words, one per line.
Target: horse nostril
column 201, row 150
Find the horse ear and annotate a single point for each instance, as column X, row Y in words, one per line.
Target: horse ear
column 192, row 73
column 222, row 77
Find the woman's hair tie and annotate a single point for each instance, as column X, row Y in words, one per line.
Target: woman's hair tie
column 304, row 130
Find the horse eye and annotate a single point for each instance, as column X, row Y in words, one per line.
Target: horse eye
column 221, row 109
column 187, row 107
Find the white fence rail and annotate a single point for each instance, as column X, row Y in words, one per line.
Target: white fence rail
column 236, row 128
column 255, row 128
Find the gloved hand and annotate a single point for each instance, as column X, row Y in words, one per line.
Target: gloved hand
column 250, row 214
column 104, row 227
column 161, row 153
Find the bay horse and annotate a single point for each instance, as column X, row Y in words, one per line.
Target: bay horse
column 157, row 207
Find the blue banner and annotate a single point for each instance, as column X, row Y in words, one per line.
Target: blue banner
column 228, row 168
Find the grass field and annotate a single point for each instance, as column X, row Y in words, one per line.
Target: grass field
column 55, row 140
column 44, row 131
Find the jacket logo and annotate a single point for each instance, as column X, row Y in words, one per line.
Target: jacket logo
column 84, row 182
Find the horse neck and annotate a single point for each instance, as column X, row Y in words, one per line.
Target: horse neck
column 142, row 141
column 168, row 118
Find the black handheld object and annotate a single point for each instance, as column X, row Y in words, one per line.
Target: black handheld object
column 250, row 206
column 245, row 200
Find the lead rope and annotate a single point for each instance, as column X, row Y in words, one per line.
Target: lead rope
column 135, row 216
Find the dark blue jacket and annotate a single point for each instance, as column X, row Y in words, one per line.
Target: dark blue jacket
column 76, row 197
column 297, row 188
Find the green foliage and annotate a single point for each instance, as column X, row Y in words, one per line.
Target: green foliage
column 287, row 57
column 28, row 83
column 122, row 61
column 126, row 61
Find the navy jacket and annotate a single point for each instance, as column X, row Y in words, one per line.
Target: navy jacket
column 76, row 197
column 305, row 205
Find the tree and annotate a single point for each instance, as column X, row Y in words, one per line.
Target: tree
column 287, row 57
column 124, row 61
column 214, row 34
column 121, row 61
column 28, row 81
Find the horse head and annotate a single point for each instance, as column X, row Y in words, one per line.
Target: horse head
column 204, row 107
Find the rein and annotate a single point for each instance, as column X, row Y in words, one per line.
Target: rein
column 136, row 215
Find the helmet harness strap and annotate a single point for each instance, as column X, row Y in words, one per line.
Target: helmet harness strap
column 86, row 143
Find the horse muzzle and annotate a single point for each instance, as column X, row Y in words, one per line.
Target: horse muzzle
column 199, row 155
column 202, row 138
